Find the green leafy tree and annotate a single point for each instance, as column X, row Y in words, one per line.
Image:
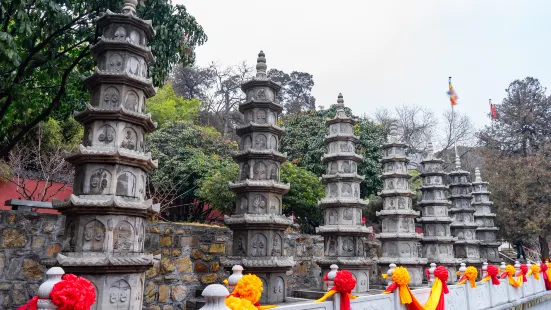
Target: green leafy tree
column 303, row 141
column 45, row 53
column 188, row 154
column 214, row 187
column 166, row 107
column 302, row 199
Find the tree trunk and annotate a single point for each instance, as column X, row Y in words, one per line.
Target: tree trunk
column 544, row 246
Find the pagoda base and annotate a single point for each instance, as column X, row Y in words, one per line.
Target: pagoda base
column 271, row 270
column 415, row 266
column 116, row 291
column 490, row 253
column 360, row 267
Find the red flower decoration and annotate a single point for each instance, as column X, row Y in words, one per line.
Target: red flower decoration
column 442, row 273
column 492, row 272
column 363, row 220
column 344, row 284
column 73, row 293
column 523, row 271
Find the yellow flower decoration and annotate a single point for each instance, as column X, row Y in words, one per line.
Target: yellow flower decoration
column 470, row 275
column 401, row 276
column 249, row 287
column 535, row 270
column 235, row 303
column 510, row 270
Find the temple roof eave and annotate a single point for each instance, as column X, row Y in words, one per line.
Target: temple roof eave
column 342, row 202
column 112, row 17
column 107, row 77
column 249, row 185
column 91, row 113
column 112, row 155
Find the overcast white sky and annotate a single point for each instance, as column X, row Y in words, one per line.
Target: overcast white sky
column 386, row 53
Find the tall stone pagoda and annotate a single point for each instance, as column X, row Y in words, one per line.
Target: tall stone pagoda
column 343, row 231
column 463, row 225
column 399, row 240
column 258, row 224
column 106, row 213
column 484, row 218
column 437, row 240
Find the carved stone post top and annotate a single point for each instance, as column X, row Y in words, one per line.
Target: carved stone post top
column 484, row 266
column 333, row 273
column 215, row 290
column 54, row 275
column 517, row 265
column 215, row 296
column 432, row 267
column 462, row 267
column 238, row 268
column 503, row 266
column 236, row 276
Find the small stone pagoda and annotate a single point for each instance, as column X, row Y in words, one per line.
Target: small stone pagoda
column 484, row 218
column 258, row 224
column 437, row 240
column 463, row 226
column 399, row 240
column 106, row 213
column 343, row 231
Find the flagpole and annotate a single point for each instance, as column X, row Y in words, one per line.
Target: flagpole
column 453, row 125
column 491, row 115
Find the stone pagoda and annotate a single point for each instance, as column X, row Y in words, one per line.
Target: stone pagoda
column 399, row 240
column 484, row 218
column 106, row 213
column 258, row 224
column 343, row 231
column 463, row 226
column 437, row 240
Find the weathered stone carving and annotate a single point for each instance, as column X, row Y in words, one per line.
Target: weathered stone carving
column 261, row 221
column 99, row 181
column 483, row 217
column 343, row 231
column 123, row 237
column 119, row 295
column 94, row 235
column 463, row 226
column 436, row 224
column 130, row 138
column 107, row 208
column 126, row 184
column 399, row 240
column 106, row 135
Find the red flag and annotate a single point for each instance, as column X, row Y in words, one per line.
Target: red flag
column 493, row 111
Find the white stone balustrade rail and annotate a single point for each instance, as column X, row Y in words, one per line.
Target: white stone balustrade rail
column 485, row 296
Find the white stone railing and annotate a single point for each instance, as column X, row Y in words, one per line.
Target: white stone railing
column 461, row 297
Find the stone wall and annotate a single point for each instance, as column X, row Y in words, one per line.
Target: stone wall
column 29, row 242
column 187, row 258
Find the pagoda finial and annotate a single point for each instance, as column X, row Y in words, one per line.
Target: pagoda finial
column 457, row 162
column 430, row 149
column 130, row 7
column 340, row 101
column 393, row 130
column 261, row 65
column 477, row 177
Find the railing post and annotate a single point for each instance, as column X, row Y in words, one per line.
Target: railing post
column 484, row 270
column 331, row 276
column 215, row 297
column 502, row 266
column 54, row 275
column 430, row 281
column 235, row 277
column 462, row 269
column 389, row 274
